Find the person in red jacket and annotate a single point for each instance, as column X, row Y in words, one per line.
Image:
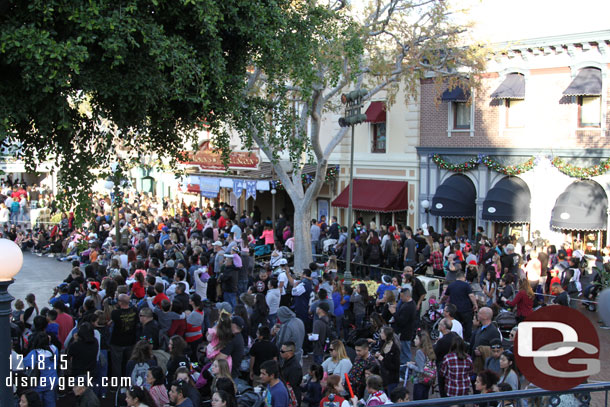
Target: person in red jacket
column 524, row 300
column 138, row 288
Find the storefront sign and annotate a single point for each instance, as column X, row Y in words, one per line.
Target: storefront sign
column 210, row 160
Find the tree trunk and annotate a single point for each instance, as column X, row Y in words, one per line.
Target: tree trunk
column 302, row 235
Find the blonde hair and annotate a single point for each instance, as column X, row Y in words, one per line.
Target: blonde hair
column 340, row 349
column 332, row 263
column 436, row 247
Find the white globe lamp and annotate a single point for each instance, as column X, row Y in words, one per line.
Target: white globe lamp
column 11, row 259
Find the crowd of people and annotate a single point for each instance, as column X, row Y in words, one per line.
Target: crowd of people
column 180, row 304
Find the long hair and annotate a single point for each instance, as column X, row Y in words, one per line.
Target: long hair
column 458, row 346
column 260, row 305
column 511, row 364
column 425, row 344
column 524, row 285
column 338, row 346
column 223, row 330
column 178, row 346
column 142, row 352
column 363, row 291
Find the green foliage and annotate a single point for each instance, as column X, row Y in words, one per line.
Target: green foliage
column 80, row 78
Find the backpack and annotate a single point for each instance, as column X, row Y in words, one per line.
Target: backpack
column 138, row 374
column 292, row 399
column 428, row 376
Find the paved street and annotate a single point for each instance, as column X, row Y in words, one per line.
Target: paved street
column 39, row 275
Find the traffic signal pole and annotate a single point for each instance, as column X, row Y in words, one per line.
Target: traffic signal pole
column 353, row 116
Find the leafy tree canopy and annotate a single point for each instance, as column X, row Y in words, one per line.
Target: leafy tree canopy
column 79, row 78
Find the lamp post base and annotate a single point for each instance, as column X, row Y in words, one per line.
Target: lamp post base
column 6, row 392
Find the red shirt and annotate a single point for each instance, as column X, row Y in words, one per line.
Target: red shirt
column 66, row 323
column 160, row 297
column 138, row 290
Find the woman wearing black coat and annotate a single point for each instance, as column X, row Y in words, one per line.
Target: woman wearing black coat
column 389, row 359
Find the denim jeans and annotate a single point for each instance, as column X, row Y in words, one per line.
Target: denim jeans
column 231, row 298
column 314, row 247
column 101, row 370
column 405, row 355
column 421, row 391
column 272, row 319
column 242, row 286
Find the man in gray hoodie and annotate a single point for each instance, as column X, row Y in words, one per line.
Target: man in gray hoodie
column 292, row 329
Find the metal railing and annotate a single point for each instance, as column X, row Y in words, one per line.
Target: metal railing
column 579, row 396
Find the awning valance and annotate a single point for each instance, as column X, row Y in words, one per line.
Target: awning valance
column 582, row 206
column 513, row 87
column 376, row 112
column 455, row 198
column 508, row 201
column 375, row 196
column 457, row 94
column 588, row 82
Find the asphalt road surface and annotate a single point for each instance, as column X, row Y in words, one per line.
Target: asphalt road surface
column 39, row 275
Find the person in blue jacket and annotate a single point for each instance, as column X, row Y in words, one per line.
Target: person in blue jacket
column 45, row 357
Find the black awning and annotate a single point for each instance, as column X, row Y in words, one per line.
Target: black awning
column 588, row 82
column 457, row 94
column 582, row 206
column 455, row 198
column 508, row 201
column 513, row 87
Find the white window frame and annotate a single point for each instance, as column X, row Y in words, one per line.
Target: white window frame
column 450, row 120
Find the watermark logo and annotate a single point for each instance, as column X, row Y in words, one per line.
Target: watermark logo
column 557, row 348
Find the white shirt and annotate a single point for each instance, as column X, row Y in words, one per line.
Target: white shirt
column 282, row 278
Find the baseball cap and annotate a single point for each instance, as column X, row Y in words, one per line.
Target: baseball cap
column 472, row 263
column 165, row 228
column 170, row 263
column 224, row 306
column 239, row 321
column 217, row 243
column 324, row 307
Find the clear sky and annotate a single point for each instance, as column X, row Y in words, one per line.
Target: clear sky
column 504, row 20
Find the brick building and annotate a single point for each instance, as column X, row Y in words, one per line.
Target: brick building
column 540, row 118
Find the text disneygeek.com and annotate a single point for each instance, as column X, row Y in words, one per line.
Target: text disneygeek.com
column 62, row 383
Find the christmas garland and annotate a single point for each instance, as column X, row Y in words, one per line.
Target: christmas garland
column 508, row 170
column 485, row 160
column 465, row 166
column 580, row 172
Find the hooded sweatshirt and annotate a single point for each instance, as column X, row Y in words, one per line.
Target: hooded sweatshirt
column 49, row 372
column 292, row 329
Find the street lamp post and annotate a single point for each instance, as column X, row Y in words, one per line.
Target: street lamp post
column 114, row 184
column 353, row 116
column 11, row 260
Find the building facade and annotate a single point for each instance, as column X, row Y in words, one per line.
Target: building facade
column 527, row 151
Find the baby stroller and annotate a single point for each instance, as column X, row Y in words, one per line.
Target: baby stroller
column 431, row 318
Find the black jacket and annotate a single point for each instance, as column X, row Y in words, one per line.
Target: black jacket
column 228, row 279
column 292, row 374
column 405, row 321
